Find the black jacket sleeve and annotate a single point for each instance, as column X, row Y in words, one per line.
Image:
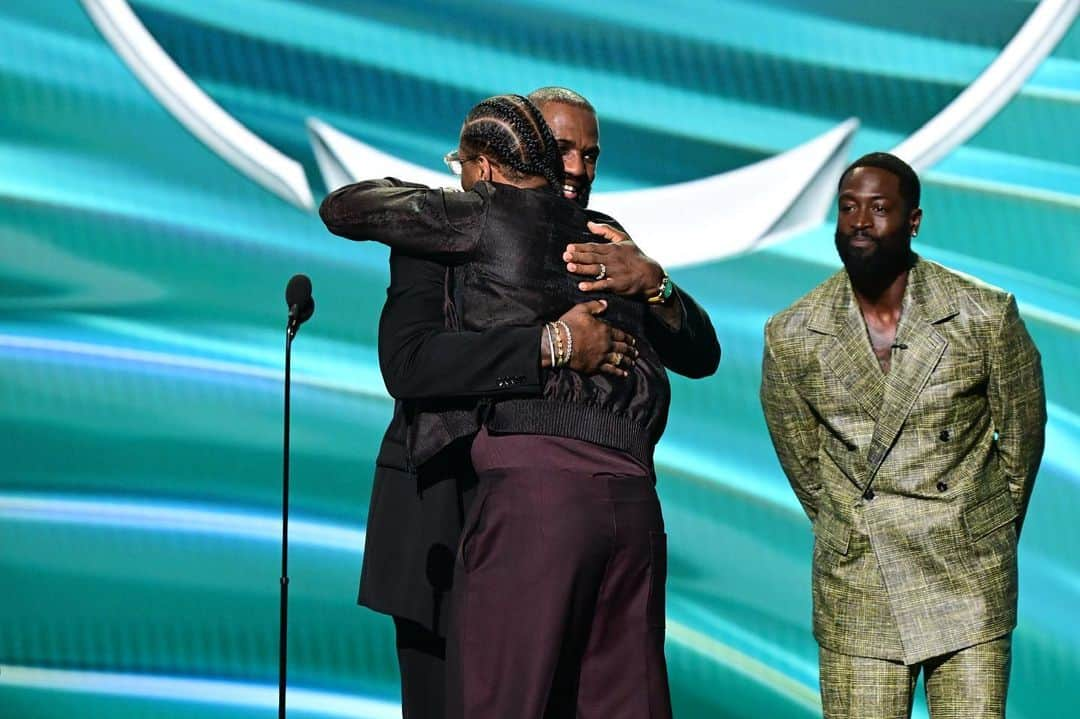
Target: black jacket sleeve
column 421, row 359
column 443, row 225
column 692, row 350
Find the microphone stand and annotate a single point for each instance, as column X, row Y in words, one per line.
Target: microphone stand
column 290, row 332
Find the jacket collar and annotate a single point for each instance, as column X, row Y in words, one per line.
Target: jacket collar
column 887, row 398
column 928, row 294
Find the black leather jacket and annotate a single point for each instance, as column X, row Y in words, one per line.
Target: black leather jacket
column 505, row 246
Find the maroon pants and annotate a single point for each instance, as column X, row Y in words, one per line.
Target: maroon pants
column 558, row 600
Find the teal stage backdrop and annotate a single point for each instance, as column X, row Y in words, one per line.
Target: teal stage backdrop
column 141, row 337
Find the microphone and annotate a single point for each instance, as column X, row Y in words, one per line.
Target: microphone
column 899, row 346
column 301, row 306
column 300, row 302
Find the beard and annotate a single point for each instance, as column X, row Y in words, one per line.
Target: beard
column 873, row 268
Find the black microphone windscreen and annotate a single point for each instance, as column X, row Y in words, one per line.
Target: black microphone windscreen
column 306, row 311
column 298, row 291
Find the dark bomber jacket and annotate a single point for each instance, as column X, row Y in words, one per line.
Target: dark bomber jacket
column 505, row 246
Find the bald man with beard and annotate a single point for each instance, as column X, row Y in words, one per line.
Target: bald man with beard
column 679, row 328
column 906, row 405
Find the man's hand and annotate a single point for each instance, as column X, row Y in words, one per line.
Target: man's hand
column 626, row 269
column 598, row 347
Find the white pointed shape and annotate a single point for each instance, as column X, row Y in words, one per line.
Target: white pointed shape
column 203, row 117
column 993, row 88
column 724, row 215
column 682, row 224
column 343, row 159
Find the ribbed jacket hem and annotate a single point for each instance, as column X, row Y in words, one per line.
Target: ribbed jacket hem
column 573, row 421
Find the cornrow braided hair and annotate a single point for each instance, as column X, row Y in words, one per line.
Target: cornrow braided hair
column 510, row 130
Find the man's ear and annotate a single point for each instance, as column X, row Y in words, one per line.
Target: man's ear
column 915, row 219
column 486, row 168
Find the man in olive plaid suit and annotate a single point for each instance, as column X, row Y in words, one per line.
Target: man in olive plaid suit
column 906, row 406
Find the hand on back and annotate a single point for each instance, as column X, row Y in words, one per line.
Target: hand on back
column 617, row 266
column 597, row 346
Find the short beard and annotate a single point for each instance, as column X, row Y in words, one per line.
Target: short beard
column 583, row 196
column 871, row 274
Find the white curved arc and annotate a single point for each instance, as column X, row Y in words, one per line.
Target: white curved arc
column 993, row 88
column 207, row 120
column 682, row 224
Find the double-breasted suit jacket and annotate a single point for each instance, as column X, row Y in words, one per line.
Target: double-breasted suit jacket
column 916, row 480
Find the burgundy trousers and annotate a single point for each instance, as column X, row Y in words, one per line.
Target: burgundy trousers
column 558, row 599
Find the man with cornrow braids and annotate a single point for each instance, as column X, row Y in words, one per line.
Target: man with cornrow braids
column 511, row 128
column 416, row 512
column 416, row 515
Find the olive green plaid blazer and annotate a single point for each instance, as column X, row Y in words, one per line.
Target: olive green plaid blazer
column 916, row 481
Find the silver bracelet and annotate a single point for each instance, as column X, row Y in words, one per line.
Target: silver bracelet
column 551, row 344
column 569, row 342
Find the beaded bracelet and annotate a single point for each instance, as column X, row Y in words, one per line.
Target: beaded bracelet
column 569, row 342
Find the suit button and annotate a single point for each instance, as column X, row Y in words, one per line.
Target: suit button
column 851, row 446
column 944, row 436
column 868, row 494
column 942, row 487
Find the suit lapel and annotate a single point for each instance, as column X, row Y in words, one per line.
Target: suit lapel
column 848, row 354
column 926, row 303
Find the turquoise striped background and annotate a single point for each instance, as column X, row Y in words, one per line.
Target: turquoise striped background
column 140, row 346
